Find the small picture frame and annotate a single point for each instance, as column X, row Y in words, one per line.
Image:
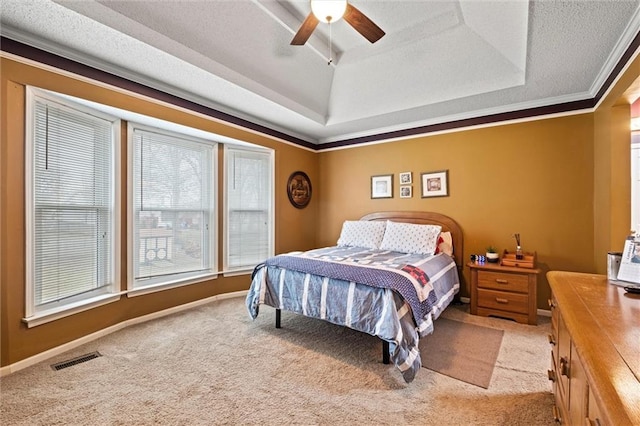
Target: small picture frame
column 382, row 186
column 405, row 178
column 435, row 184
column 406, row 191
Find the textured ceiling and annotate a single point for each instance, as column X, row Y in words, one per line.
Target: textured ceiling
column 439, row 61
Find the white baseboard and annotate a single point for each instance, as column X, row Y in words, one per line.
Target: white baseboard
column 12, row 368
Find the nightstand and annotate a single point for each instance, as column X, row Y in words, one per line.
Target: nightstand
column 504, row 291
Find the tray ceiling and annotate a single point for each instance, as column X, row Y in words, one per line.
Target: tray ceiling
column 440, row 61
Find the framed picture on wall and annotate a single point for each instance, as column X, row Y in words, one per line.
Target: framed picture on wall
column 405, row 178
column 382, row 186
column 405, row 191
column 435, row 184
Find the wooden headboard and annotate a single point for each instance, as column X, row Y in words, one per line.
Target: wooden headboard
column 430, row 218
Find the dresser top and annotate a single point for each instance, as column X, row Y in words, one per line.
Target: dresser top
column 604, row 323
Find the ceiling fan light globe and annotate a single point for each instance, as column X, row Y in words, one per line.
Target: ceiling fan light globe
column 328, row 10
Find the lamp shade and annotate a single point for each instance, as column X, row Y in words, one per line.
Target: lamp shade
column 328, row 10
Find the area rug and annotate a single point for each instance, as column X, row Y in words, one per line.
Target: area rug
column 464, row 351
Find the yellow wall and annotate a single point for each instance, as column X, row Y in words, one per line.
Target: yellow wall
column 612, row 168
column 612, row 174
column 533, row 178
column 18, row 342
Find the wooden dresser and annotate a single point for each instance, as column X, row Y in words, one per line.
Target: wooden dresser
column 504, row 291
column 595, row 350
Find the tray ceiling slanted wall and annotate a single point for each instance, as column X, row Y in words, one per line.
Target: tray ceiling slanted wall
column 238, row 41
column 468, row 57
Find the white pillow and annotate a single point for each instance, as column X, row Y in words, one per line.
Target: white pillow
column 411, row 238
column 362, row 233
column 445, row 243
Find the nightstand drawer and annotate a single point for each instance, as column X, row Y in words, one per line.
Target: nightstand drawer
column 504, row 301
column 503, row 281
column 503, row 291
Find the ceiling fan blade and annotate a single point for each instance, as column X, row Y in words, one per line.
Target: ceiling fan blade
column 362, row 24
column 305, row 30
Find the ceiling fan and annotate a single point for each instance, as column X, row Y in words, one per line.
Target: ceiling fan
column 331, row 11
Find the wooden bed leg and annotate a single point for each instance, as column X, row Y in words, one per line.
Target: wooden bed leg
column 278, row 318
column 385, row 352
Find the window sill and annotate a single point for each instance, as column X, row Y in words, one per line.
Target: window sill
column 44, row 317
column 238, row 272
column 152, row 288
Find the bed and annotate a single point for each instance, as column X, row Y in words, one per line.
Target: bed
column 390, row 274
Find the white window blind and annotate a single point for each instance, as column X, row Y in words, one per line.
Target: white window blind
column 173, row 198
column 249, row 207
column 71, row 206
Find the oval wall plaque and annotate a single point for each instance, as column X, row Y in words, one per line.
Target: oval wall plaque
column 299, row 189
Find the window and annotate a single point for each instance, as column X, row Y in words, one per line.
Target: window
column 173, row 221
column 249, row 207
column 71, row 226
column 635, row 181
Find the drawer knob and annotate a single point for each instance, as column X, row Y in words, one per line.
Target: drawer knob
column 502, row 281
column 552, row 375
column 501, row 300
column 564, row 366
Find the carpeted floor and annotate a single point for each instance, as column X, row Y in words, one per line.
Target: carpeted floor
column 212, row 365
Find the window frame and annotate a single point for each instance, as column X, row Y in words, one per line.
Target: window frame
column 174, row 280
column 121, row 179
column 635, row 181
column 51, row 311
column 243, row 270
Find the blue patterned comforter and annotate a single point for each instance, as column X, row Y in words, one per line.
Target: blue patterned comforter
column 395, row 296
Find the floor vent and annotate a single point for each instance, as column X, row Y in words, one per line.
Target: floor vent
column 74, row 361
